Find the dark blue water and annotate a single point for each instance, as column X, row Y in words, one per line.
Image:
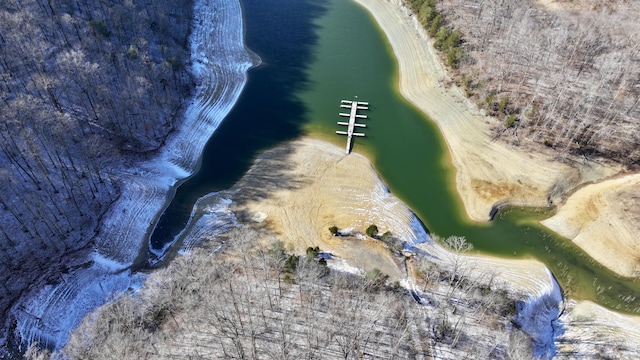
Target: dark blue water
column 267, row 113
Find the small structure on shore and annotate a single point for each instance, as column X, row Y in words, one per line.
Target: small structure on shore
column 351, row 125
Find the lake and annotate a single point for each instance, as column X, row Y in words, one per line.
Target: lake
column 316, row 53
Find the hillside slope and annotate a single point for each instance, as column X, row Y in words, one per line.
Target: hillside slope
column 85, row 86
column 565, row 74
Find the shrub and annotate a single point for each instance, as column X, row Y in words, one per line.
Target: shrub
column 427, row 13
column 132, row 53
column 99, row 27
column 453, row 40
column 443, row 329
column 435, row 26
column 489, row 100
column 394, row 244
column 531, row 112
column 312, row 252
column 372, row 230
column 375, row 280
column 333, row 230
column 291, row 264
column 441, row 38
column 454, row 55
column 276, row 250
column 511, row 121
column 502, row 105
column 466, row 82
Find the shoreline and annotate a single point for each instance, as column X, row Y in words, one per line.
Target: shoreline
column 144, row 195
column 317, row 186
column 490, row 172
column 289, row 194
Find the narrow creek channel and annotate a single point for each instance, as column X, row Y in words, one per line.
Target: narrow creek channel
column 317, row 52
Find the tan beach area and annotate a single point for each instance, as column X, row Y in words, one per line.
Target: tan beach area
column 300, row 189
column 603, row 218
column 492, row 172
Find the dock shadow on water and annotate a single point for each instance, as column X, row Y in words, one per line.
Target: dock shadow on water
column 283, row 34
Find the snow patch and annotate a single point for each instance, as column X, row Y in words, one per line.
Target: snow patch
column 346, row 232
column 49, row 316
column 259, row 217
column 210, row 218
column 110, row 264
column 343, row 265
column 538, row 317
column 591, row 331
column 418, row 231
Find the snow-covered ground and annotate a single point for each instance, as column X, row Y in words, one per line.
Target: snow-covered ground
column 210, row 218
column 537, row 315
column 219, row 62
column 589, row 331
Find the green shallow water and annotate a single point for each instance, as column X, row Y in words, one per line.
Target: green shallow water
column 353, row 58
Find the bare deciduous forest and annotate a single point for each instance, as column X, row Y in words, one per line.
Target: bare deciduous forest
column 86, row 87
column 92, row 86
column 250, row 301
column 563, row 74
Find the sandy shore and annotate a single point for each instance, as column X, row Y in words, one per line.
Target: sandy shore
column 300, row 189
column 220, row 62
column 601, row 333
column 491, row 172
column 604, row 220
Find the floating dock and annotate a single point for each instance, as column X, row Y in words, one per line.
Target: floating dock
column 354, row 106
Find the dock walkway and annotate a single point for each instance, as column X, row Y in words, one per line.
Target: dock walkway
column 351, row 125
